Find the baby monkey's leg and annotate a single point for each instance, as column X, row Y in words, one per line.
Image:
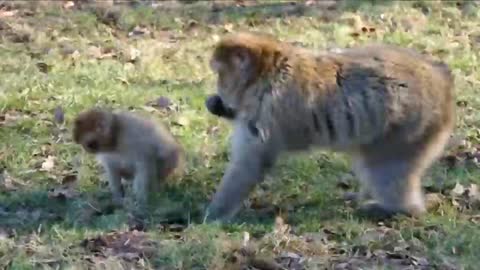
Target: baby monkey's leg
column 145, row 173
column 114, row 178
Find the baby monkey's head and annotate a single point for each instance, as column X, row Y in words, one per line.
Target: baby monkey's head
column 94, row 130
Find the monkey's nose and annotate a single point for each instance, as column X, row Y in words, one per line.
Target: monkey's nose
column 213, row 103
column 92, row 145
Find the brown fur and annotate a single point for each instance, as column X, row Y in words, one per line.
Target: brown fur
column 129, row 147
column 390, row 108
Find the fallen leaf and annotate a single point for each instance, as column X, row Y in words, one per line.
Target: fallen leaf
column 129, row 245
column 66, row 190
column 228, row 28
column 68, row 4
column 472, row 191
column 246, row 258
column 181, row 121
column 69, row 180
column 458, row 190
column 280, row 226
column 216, row 38
column 191, row 25
column 43, row 67
column 75, row 55
column 433, row 200
column 133, row 54
column 213, row 130
column 354, row 34
column 8, row 13
column 123, row 80
column 48, row 164
column 161, row 103
column 465, row 197
column 373, row 235
column 474, row 218
column 316, row 237
column 100, row 53
column 139, row 31
column 246, row 238
column 10, row 118
column 136, row 224
column 291, row 260
column 59, row 115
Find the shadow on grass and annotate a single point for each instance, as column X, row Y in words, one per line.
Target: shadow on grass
column 26, row 211
column 179, row 205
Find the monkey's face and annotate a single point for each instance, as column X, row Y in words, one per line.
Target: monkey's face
column 92, row 130
column 236, row 70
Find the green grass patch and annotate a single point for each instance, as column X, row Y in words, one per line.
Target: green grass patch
column 127, row 56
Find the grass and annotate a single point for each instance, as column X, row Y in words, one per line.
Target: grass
column 57, row 61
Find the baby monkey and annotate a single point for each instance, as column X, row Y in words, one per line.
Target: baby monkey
column 390, row 109
column 129, row 147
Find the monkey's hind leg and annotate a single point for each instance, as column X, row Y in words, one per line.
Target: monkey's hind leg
column 395, row 189
column 394, row 177
column 364, row 193
column 145, row 173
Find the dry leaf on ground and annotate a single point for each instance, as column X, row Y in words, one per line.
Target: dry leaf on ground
column 48, row 164
column 465, row 197
column 129, row 245
column 66, row 190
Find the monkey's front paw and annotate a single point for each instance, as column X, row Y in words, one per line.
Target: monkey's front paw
column 375, row 211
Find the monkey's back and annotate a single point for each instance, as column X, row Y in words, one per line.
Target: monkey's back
column 361, row 95
column 146, row 137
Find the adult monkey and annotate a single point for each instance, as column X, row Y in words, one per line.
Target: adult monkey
column 391, row 109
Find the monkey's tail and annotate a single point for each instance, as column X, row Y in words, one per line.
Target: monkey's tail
column 449, row 87
column 446, row 73
column 180, row 167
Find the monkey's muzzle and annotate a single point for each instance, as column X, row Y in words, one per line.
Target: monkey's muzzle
column 216, row 106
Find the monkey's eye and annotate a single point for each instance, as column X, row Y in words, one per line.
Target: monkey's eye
column 92, row 145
